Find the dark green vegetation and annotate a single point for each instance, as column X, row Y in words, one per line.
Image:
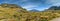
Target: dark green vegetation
column 13, row 12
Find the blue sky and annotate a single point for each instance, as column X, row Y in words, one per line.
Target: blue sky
column 33, row 4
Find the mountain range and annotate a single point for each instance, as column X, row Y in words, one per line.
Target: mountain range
column 51, row 8
column 54, row 8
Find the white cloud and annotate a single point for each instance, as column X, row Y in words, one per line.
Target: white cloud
column 53, row 2
column 56, row 4
column 29, row 6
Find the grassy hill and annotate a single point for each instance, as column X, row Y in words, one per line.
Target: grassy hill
column 13, row 12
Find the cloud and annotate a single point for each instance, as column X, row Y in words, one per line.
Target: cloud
column 56, row 4
column 53, row 2
column 30, row 6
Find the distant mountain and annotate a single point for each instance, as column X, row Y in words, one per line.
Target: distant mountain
column 54, row 8
column 34, row 10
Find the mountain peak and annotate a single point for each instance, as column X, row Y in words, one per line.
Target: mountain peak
column 34, row 10
column 54, row 8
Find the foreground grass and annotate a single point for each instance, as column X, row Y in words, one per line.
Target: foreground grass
column 14, row 15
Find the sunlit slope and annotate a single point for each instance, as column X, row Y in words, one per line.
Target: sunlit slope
column 11, row 12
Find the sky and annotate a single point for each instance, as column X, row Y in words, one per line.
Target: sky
column 33, row 4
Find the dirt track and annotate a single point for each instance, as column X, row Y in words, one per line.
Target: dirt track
column 56, row 19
